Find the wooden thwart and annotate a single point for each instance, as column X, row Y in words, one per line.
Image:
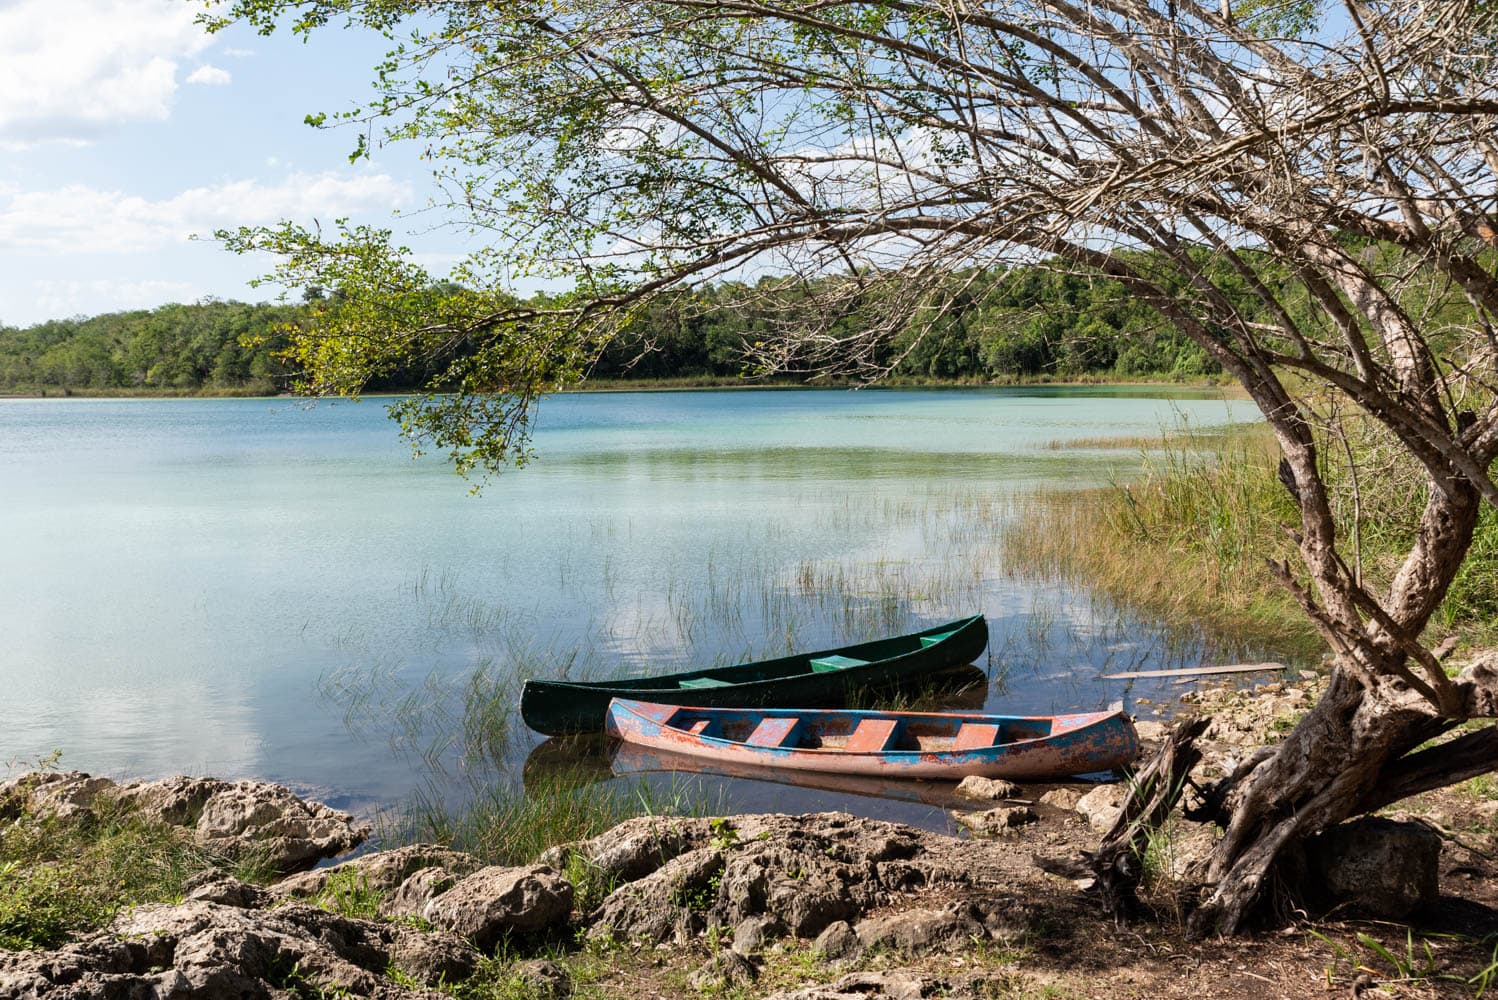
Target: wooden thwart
column 1234, row 668
column 873, row 736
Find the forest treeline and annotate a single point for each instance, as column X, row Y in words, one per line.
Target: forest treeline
column 1034, row 323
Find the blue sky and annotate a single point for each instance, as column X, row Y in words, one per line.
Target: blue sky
column 125, row 129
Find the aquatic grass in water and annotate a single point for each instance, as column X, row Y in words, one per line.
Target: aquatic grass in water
column 509, row 823
column 1186, row 541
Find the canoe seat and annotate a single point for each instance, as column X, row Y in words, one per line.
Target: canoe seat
column 976, row 736
column 873, row 736
column 827, row 664
column 701, row 682
column 927, row 641
column 776, row 731
column 704, row 727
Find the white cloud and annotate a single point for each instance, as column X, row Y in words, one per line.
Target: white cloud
column 78, row 219
column 66, row 77
column 239, row 53
column 210, row 76
column 60, row 298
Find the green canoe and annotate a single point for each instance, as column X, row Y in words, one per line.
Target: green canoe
column 806, row 679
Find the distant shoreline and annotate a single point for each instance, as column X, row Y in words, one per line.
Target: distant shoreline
column 683, row 384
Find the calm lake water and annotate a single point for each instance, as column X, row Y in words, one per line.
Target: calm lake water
column 257, row 588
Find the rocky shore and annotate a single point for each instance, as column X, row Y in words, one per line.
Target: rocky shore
column 817, row 907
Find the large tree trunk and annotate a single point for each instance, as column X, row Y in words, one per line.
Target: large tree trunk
column 1323, row 773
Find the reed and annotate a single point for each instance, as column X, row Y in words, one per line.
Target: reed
column 509, row 823
column 1187, row 541
column 1184, row 542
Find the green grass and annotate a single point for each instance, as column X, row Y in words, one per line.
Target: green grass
column 1187, row 541
column 505, row 824
column 63, row 878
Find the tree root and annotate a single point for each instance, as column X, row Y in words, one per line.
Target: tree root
column 1153, row 794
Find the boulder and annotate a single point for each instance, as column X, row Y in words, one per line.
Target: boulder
column 411, row 897
column 839, row 940
column 1377, row 866
column 997, row 821
column 495, row 902
column 543, row 979
column 63, row 794
column 726, row 967
column 750, row 934
column 1061, row 798
column 976, row 786
column 1150, row 731
column 205, row 949
column 802, row 872
column 917, row 931
column 228, row 891
column 634, row 848
column 1101, row 806
column 652, row 908
column 289, row 833
column 434, row 959
column 383, row 872
column 233, row 818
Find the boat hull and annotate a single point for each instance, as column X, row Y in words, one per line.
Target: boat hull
column 1038, row 747
column 560, row 707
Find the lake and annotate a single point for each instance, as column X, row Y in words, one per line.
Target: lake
column 258, row 588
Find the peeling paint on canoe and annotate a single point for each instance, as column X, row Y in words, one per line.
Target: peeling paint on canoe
column 1043, row 747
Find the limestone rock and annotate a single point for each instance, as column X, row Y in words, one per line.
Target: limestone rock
column 634, row 848
column 1380, row 867
column 997, row 821
column 435, row 958
column 228, row 892
column 839, row 940
column 915, row 931
column 1101, row 806
column 205, row 949
column 546, row 980
column 495, row 902
column 383, row 871
column 412, row 896
column 233, row 818
column 976, row 786
column 726, row 966
column 803, row 872
column 1061, row 798
column 294, row 833
column 750, row 934
column 1150, row 731
column 63, row 794
column 651, row 908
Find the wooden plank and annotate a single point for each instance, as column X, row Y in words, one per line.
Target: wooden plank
column 775, row 731
column 976, row 736
column 1234, row 668
column 872, row 736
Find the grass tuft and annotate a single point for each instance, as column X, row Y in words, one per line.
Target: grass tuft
column 59, row 878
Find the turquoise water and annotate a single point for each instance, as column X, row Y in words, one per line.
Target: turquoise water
column 259, row 588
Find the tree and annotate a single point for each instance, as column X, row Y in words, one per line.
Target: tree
column 1306, row 195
